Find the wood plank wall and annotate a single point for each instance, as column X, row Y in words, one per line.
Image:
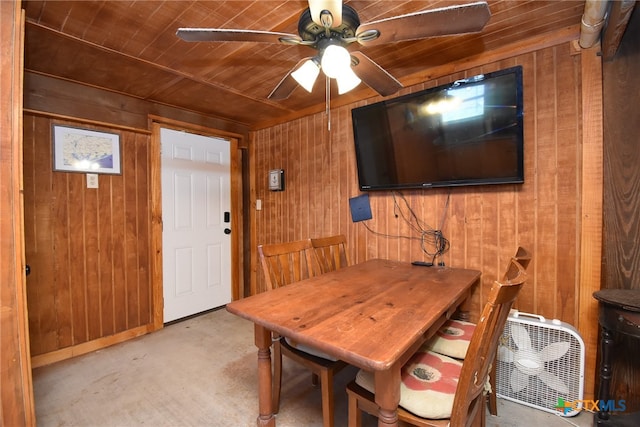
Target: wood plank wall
column 621, row 265
column 117, row 232
column 89, row 249
column 483, row 224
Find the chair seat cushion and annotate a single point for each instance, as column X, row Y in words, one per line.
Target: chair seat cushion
column 452, row 339
column 309, row 350
column 428, row 386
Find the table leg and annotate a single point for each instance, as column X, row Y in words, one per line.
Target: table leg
column 465, row 307
column 263, row 342
column 387, row 385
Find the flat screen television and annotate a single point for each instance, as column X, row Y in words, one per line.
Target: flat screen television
column 468, row 132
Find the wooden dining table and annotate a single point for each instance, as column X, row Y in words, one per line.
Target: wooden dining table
column 373, row 315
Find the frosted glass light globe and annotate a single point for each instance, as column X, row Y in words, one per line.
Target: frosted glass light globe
column 347, row 81
column 335, row 60
column 306, row 75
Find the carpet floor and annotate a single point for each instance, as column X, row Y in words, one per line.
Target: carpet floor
column 201, row 372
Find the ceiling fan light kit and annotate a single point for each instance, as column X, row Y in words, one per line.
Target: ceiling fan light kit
column 335, row 63
column 335, row 59
column 347, row 81
column 307, row 74
column 329, row 26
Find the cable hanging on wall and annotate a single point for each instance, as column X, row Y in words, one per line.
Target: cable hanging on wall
column 432, row 241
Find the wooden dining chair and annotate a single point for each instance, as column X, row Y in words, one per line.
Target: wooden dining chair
column 331, row 252
column 437, row 390
column 454, row 337
column 523, row 257
column 283, row 264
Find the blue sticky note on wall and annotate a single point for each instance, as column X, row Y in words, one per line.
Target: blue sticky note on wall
column 360, row 208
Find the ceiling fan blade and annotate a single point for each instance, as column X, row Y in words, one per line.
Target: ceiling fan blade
column 230, row 35
column 333, row 6
column 287, row 84
column 460, row 19
column 375, row 76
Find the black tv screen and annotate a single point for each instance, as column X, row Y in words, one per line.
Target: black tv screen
column 468, row 132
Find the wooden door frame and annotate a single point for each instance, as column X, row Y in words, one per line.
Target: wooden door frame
column 16, row 387
column 155, row 176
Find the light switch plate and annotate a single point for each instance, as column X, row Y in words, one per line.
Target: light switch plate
column 92, row 180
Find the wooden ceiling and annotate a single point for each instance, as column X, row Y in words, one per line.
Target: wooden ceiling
column 131, row 47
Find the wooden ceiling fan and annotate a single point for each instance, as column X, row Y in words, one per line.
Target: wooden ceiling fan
column 329, row 26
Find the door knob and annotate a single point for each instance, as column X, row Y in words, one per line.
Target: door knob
column 27, row 270
column 227, row 231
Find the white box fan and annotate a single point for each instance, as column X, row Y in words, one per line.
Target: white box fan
column 540, row 363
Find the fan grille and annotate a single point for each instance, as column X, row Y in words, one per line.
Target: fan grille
column 569, row 368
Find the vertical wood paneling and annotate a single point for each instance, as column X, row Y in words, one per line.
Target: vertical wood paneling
column 60, row 277
column 92, row 263
column 474, row 242
column 344, row 168
column 119, row 253
column 546, row 183
column 591, row 205
column 484, row 224
column 526, row 193
column 621, row 215
column 89, row 247
column 38, row 235
column 490, row 229
column 145, row 311
column 74, row 232
column 568, row 78
column 130, row 238
column 292, row 170
column 106, row 255
column 508, row 236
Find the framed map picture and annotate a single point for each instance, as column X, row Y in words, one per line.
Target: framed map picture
column 83, row 150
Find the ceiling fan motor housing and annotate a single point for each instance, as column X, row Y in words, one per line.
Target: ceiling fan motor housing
column 310, row 31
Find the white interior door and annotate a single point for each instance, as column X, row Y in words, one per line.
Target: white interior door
column 196, row 249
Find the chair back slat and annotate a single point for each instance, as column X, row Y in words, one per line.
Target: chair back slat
column 285, row 263
column 522, row 257
column 331, row 252
column 483, row 345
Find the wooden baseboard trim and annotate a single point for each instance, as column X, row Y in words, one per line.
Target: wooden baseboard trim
column 88, row 347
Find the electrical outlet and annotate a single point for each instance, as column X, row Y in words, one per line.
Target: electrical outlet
column 92, row 180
